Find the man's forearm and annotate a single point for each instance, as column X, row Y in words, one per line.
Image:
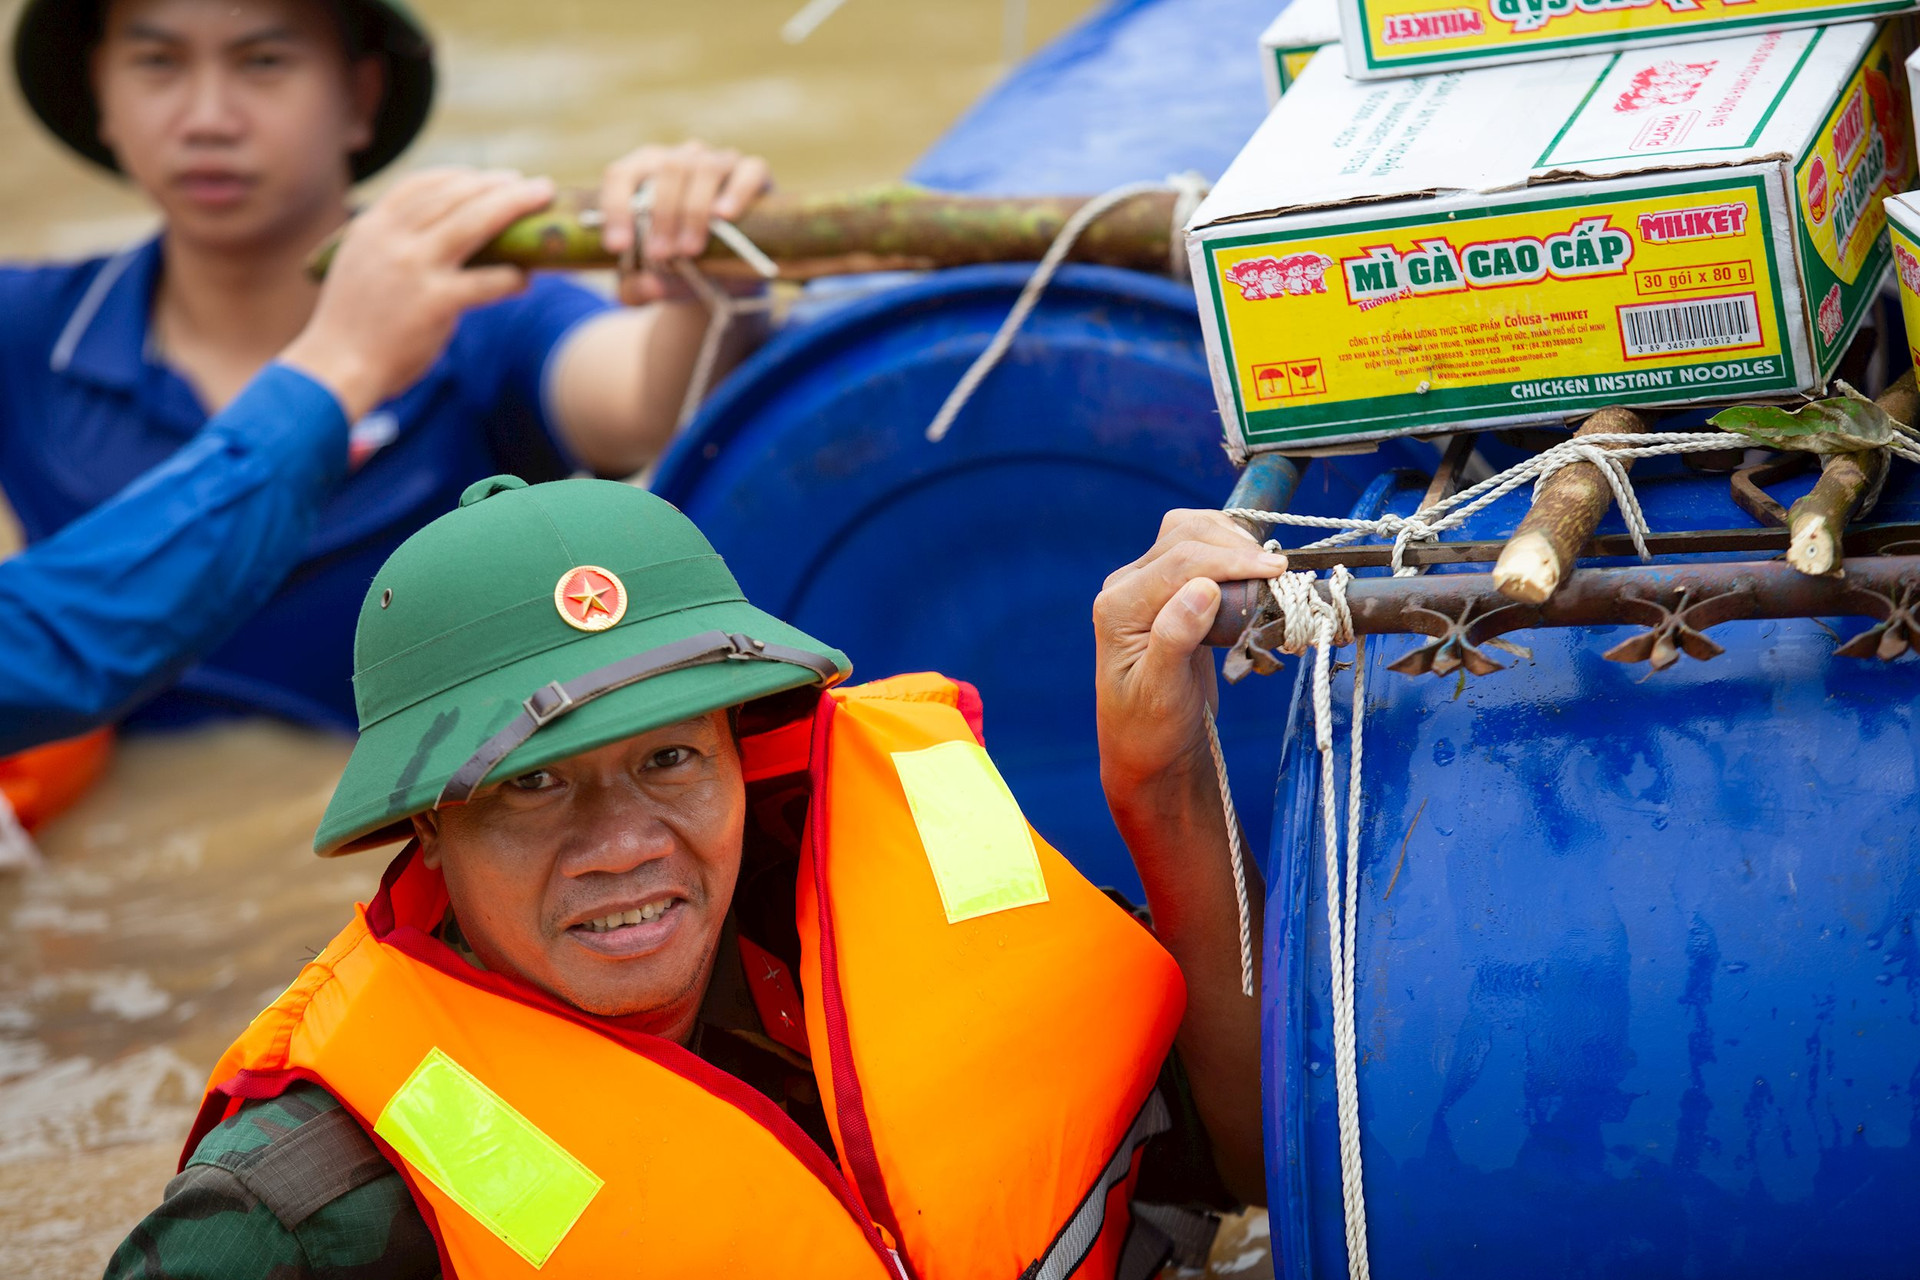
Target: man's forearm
column 622, row 378
column 1176, row 830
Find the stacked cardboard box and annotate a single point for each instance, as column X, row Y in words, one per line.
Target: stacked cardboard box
column 1667, row 225
column 1290, row 42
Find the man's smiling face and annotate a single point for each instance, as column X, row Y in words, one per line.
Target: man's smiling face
column 604, row 878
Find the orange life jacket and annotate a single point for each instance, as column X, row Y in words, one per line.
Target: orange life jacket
column 986, row 1030
column 42, row 782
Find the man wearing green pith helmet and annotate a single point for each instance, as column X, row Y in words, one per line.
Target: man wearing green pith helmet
column 246, row 123
column 699, row 961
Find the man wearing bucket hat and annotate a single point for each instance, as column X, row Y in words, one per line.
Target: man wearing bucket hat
column 246, row 122
column 699, row 962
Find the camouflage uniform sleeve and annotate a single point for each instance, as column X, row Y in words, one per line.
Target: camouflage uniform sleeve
column 286, row 1189
column 1177, row 1166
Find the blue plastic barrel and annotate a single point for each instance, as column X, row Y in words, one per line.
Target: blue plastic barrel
column 1638, row 988
column 980, row 556
column 1139, row 90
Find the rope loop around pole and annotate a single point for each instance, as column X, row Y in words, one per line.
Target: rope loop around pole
column 1002, row 341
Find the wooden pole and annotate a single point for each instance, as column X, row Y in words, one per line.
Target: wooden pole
column 1902, row 399
column 894, row 228
column 1540, row 555
column 1849, row 485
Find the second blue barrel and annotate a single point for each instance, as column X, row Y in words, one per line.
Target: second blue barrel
column 1638, row 986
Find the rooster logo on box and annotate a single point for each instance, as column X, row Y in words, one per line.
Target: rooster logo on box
column 1291, row 276
column 1665, row 84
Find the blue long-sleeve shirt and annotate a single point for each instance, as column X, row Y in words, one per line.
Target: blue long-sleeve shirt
column 113, row 607
column 88, row 405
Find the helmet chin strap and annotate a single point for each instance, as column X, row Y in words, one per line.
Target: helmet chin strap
column 551, row 701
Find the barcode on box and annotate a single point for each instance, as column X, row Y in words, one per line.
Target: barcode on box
column 1701, row 324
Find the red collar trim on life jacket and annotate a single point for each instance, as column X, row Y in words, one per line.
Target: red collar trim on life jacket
column 861, row 1159
column 421, row 945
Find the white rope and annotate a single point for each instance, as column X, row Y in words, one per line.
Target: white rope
column 1236, row 855
column 1311, row 621
column 1346, row 1073
column 1430, row 521
column 722, row 307
column 1083, row 217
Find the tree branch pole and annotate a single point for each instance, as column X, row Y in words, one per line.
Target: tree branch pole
column 1540, row 555
column 892, row 228
column 1848, row 487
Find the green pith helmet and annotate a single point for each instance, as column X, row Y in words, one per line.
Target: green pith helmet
column 537, row 622
column 54, row 38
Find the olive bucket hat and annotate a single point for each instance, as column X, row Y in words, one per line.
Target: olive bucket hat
column 537, row 622
column 54, row 38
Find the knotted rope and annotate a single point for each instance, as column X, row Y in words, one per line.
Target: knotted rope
column 722, row 307
column 1323, row 624
column 1429, row 522
column 1188, row 189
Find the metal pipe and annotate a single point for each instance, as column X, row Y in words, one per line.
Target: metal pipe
column 1267, row 483
column 1467, row 606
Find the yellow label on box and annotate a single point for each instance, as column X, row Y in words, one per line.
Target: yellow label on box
column 1402, row 36
column 1669, row 293
column 1905, row 235
column 1862, row 154
column 1292, row 62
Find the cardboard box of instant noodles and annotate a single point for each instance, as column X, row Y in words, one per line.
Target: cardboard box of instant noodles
column 1687, row 224
column 1288, row 44
column 1414, row 37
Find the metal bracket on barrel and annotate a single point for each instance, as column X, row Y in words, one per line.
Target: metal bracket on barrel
column 1464, row 611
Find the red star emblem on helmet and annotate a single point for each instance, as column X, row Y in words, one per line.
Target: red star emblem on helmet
column 589, row 598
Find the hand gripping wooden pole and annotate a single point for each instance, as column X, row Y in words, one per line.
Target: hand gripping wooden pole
column 1540, row 555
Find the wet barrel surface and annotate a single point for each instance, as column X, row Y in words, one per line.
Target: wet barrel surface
column 1638, row 990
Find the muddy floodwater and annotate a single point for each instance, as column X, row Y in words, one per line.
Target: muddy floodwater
column 181, row 895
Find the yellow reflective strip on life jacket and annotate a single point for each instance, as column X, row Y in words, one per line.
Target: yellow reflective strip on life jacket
column 977, row 841
column 488, row 1158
